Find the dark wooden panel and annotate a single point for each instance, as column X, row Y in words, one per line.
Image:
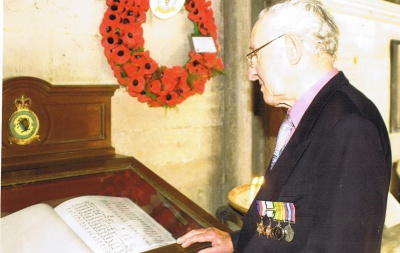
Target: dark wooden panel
column 75, row 122
column 85, row 123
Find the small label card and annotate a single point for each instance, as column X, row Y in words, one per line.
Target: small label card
column 204, row 45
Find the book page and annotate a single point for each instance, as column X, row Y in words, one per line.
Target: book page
column 113, row 224
column 38, row 229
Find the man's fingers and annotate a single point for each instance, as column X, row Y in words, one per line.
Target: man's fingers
column 220, row 240
column 191, row 233
column 200, row 237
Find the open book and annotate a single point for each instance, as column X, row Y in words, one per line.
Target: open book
column 83, row 224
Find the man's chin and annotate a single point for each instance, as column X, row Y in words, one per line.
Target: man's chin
column 276, row 101
column 271, row 101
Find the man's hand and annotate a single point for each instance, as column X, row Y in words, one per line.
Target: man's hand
column 221, row 241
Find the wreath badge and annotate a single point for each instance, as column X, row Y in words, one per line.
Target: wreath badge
column 132, row 65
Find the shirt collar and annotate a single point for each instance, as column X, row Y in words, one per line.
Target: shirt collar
column 297, row 111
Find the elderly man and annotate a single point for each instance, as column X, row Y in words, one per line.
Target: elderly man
column 326, row 186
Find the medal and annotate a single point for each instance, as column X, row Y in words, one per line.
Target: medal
column 261, row 211
column 260, row 227
column 290, row 217
column 268, row 230
column 289, row 233
column 277, row 232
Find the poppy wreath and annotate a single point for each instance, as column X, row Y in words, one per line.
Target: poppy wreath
column 123, row 42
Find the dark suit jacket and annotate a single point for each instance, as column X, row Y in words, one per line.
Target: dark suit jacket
column 336, row 170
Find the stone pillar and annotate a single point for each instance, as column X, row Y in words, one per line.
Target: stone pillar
column 238, row 101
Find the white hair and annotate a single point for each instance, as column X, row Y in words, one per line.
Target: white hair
column 308, row 19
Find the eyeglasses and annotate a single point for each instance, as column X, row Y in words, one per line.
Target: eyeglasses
column 250, row 56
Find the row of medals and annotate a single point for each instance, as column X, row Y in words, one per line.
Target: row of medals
column 276, row 232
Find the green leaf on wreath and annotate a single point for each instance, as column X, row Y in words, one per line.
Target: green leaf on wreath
column 157, row 74
column 151, row 94
column 137, row 50
column 216, row 72
column 191, row 78
column 196, row 31
column 123, row 73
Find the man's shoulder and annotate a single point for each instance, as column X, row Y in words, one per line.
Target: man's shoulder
column 347, row 106
column 348, row 101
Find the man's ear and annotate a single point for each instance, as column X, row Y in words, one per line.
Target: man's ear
column 294, row 49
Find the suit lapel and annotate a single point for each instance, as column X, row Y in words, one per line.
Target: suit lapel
column 300, row 140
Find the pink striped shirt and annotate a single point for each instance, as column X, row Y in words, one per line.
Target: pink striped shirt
column 297, row 111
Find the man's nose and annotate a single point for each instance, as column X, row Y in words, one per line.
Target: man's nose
column 252, row 74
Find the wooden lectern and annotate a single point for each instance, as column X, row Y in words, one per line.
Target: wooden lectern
column 56, row 145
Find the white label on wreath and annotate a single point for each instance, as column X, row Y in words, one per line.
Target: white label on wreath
column 204, row 45
column 166, row 8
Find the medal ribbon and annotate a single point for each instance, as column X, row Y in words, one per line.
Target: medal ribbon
column 261, row 208
column 290, row 212
column 293, row 213
column 266, row 208
column 280, row 211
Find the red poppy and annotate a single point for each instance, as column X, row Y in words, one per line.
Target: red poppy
column 182, row 87
column 213, row 61
column 155, row 87
column 182, row 77
column 110, row 41
column 116, row 6
column 111, row 2
column 137, row 14
column 196, row 66
column 142, row 4
column 199, row 85
column 120, row 54
column 132, row 68
column 143, row 97
column 138, row 61
column 171, row 98
column 107, row 53
column 118, row 73
column 192, row 5
column 128, row 3
column 136, row 83
column 195, row 15
column 134, row 39
column 111, row 17
column 219, row 64
column 195, row 56
column 127, row 22
column 149, row 66
column 207, row 28
column 183, row 94
column 107, row 28
column 210, row 59
column 169, row 79
column 154, row 103
column 139, row 57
